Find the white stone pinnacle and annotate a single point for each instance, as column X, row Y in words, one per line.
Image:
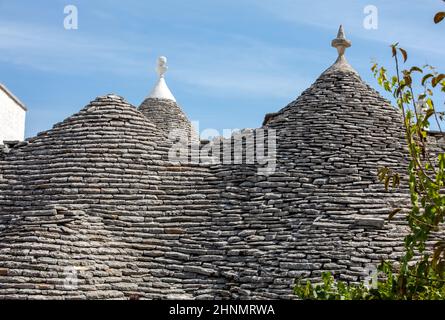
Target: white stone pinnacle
column 341, row 44
column 161, row 90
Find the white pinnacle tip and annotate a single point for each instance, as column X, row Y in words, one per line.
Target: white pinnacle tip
column 341, row 43
column 162, row 67
column 161, row 90
column 341, row 33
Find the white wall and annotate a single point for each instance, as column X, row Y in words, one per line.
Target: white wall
column 12, row 119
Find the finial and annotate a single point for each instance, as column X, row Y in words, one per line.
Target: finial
column 341, row 33
column 341, row 43
column 161, row 90
column 162, row 67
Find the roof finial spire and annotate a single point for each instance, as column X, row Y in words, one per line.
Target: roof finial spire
column 341, row 43
column 161, row 90
column 162, row 67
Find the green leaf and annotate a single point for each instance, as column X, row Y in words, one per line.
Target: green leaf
column 437, row 80
column 394, row 49
column 436, row 254
column 439, row 17
column 395, row 180
column 416, row 69
column 428, row 114
column 393, row 213
column 426, row 77
column 386, row 183
column 430, row 103
column 404, row 54
column 408, row 80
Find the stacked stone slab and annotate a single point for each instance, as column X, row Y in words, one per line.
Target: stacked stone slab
column 166, row 115
column 323, row 209
column 96, row 209
column 90, row 210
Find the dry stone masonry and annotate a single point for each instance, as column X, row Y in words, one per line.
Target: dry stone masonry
column 93, row 209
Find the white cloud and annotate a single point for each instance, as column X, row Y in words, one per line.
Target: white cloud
column 236, row 65
column 67, row 52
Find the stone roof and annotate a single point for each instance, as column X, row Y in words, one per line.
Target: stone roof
column 161, row 108
column 94, row 194
column 94, row 209
column 167, row 115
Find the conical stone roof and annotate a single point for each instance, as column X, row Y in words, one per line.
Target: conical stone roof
column 98, row 193
column 90, row 209
column 167, row 115
column 323, row 209
column 160, row 108
column 71, row 190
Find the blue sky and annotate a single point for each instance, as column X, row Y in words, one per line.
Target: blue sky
column 230, row 61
